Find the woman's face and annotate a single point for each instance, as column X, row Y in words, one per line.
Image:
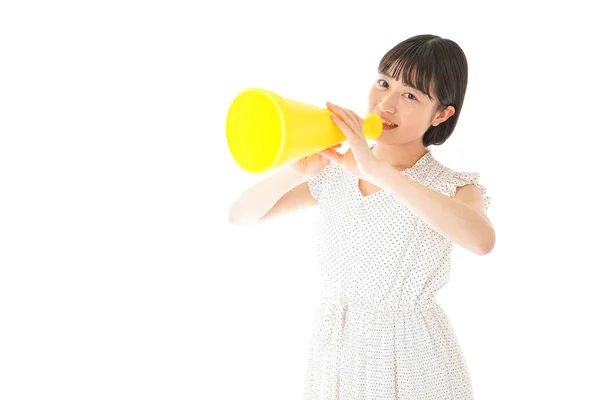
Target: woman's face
column 409, row 110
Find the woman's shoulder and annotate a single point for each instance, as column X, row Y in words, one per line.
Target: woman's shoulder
column 448, row 175
column 444, row 174
column 448, row 179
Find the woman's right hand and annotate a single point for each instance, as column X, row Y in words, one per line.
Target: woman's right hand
column 312, row 165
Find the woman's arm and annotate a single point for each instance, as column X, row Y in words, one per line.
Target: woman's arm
column 460, row 219
column 282, row 192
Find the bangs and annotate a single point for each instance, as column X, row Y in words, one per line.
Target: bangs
column 414, row 64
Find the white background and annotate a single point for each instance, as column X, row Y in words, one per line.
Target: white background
column 120, row 277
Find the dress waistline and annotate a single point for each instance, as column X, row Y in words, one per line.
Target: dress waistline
column 337, row 310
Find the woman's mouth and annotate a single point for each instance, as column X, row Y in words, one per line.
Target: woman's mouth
column 388, row 125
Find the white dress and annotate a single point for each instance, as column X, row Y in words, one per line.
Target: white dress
column 378, row 331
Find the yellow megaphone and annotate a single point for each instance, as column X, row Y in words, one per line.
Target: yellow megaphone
column 265, row 130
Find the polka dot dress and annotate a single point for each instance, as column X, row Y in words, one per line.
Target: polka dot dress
column 378, row 332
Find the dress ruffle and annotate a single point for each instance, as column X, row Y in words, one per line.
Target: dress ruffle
column 457, row 179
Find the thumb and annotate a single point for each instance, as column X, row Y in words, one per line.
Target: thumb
column 331, row 154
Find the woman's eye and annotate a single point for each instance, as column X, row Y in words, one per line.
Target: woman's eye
column 383, row 83
column 412, row 96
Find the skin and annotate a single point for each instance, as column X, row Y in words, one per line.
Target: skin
column 400, row 147
column 413, row 111
column 462, row 218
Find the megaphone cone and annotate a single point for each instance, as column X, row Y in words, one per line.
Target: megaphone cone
column 265, row 130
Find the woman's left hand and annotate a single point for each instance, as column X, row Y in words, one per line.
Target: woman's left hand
column 358, row 159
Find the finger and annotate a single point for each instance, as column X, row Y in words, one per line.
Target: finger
column 340, row 123
column 355, row 116
column 359, row 121
column 352, row 137
column 332, row 155
column 348, row 116
column 356, row 122
column 347, row 127
column 336, row 146
column 339, row 111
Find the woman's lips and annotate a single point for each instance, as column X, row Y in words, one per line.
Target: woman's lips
column 388, row 124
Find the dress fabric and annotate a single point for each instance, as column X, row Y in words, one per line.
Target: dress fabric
column 378, row 333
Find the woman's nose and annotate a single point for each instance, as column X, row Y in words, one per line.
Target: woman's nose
column 387, row 106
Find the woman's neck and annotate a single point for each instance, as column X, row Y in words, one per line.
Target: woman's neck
column 399, row 157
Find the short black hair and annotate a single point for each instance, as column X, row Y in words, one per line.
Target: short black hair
column 431, row 63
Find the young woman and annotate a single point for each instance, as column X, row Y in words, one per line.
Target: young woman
column 388, row 217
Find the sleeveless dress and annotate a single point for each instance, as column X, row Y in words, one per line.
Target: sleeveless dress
column 378, row 331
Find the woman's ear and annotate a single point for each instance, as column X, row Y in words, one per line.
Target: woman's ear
column 443, row 115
